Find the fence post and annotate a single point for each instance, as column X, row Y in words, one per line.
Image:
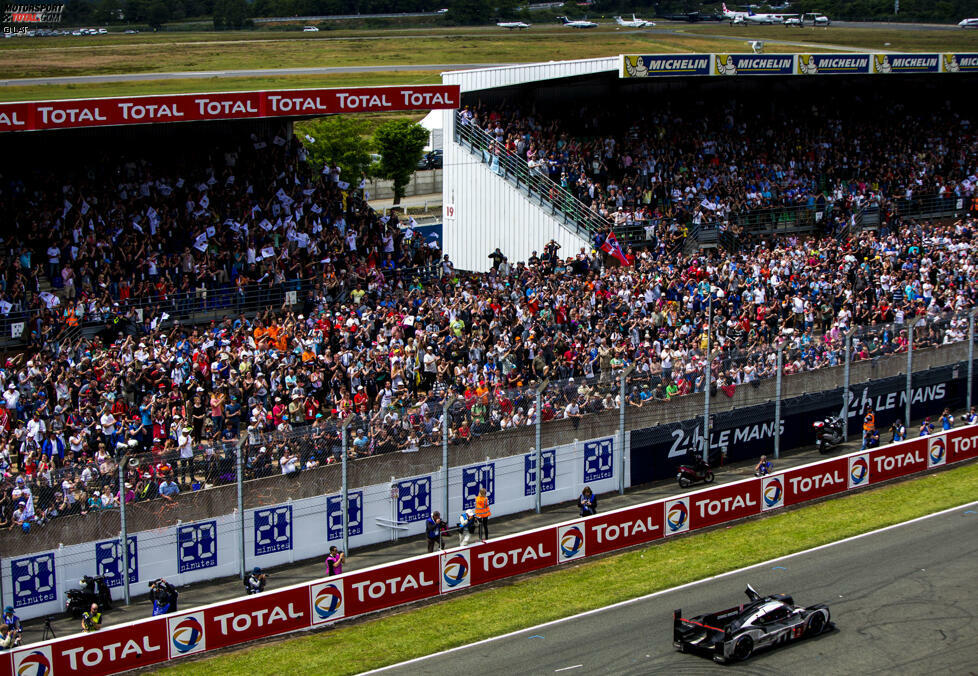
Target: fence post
column 971, row 355
column 709, row 378
column 910, row 327
column 124, row 532
column 345, row 496
column 539, row 424
column 241, row 520
column 447, row 404
column 777, row 403
column 621, row 428
column 845, row 388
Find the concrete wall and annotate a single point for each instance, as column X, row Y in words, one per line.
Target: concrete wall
column 425, row 182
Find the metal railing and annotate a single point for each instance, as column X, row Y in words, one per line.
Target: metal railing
column 536, row 185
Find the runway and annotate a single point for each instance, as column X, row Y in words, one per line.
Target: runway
column 904, row 601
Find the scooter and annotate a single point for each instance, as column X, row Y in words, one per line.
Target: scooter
column 828, row 433
column 92, row 590
column 690, row 474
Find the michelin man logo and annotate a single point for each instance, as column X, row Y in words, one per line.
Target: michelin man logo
column 883, row 64
column 725, row 65
column 951, row 63
column 635, row 67
column 808, row 65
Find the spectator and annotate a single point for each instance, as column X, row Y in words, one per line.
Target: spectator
column 168, row 489
column 588, row 502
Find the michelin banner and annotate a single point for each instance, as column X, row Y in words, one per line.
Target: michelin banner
column 675, row 65
column 665, row 64
column 833, row 64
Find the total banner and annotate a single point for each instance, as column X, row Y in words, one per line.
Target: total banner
column 39, row 115
column 322, row 602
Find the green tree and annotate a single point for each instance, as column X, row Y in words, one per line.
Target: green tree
column 337, row 140
column 230, row 14
column 157, row 13
column 401, row 144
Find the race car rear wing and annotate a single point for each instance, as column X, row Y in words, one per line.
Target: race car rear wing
column 684, row 630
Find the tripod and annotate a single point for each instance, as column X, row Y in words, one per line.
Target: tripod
column 48, row 629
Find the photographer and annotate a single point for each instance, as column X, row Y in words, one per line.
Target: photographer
column 92, row 620
column 434, row 527
column 763, row 467
column 8, row 639
column 13, row 623
column 255, row 583
column 587, row 502
column 466, row 527
column 164, row 597
column 335, row 560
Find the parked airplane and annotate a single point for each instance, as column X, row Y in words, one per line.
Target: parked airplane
column 513, row 24
column 634, row 23
column 815, row 18
column 969, row 23
column 749, row 16
column 580, row 23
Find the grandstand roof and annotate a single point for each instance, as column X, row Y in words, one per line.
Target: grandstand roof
column 506, row 76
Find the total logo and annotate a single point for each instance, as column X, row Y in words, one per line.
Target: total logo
column 772, row 493
column 570, row 542
column 186, row 634
column 327, row 601
column 33, row 662
column 858, row 470
column 677, row 516
column 936, row 451
column 456, row 571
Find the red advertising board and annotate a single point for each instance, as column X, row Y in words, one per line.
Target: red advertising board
column 514, row 555
column 66, row 114
column 624, row 528
column 257, row 617
column 724, row 503
column 111, row 650
column 391, row 585
column 897, row 460
column 962, row 443
column 815, row 481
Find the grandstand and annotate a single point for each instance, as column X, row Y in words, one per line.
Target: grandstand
column 166, row 309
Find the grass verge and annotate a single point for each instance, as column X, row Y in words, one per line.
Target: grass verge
column 537, row 599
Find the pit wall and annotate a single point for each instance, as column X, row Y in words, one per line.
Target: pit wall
column 329, row 600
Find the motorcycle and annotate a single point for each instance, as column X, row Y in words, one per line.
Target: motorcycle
column 692, row 473
column 92, row 590
column 828, row 433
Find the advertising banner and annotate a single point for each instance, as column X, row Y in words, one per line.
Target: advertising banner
column 515, row 555
column 898, row 460
column 815, row 481
column 624, row 528
column 753, row 64
column 962, row 443
column 725, row 503
column 38, row 115
column 834, row 64
column 129, row 646
column 327, row 601
column 906, row 63
column 959, row 63
column 665, row 64
column 392, row 585
column 257, row 616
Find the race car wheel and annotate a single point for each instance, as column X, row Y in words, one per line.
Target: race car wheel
column 743, row 647
column 816, row 623
column 708, row 477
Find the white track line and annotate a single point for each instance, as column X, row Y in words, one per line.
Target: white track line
column 576, row 666
column 637, row 599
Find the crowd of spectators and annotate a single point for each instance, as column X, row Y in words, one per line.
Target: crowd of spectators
column 386, row 329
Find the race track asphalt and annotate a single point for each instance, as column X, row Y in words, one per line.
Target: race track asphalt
column 904, row 601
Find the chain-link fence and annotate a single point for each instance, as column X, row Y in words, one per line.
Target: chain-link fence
column 663, row 401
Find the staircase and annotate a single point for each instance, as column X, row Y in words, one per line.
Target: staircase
column 536, row 186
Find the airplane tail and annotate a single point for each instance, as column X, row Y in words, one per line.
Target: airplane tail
column 724, row 6
column 563, row 19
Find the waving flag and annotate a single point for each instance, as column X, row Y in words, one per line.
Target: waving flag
column 611, row 246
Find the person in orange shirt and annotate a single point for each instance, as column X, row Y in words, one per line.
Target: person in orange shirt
column 482, row 514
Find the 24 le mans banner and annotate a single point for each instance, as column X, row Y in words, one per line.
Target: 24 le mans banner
column 124, row 110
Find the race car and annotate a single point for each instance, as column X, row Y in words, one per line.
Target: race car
column 734, row 634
